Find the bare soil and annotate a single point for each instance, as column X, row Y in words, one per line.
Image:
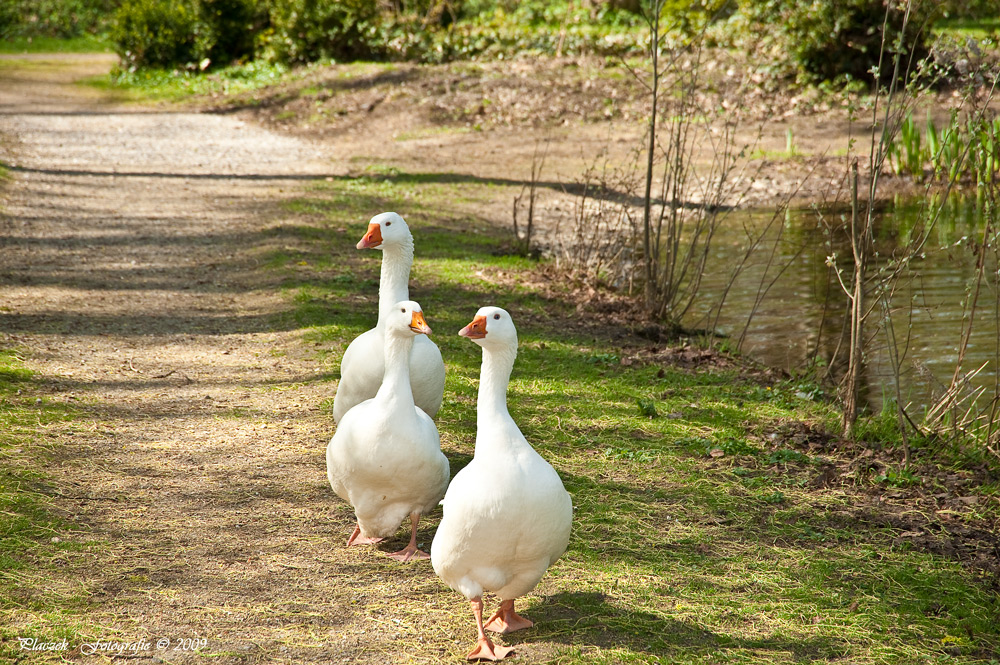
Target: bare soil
column 488, row 120
column 129, row 269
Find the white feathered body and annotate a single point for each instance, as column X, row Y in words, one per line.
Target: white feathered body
column 385, row 458
column 507, row 518
column 386, row 466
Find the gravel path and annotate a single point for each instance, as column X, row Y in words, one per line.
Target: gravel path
column 131, row 238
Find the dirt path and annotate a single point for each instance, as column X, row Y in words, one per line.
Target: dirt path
column 127, row 269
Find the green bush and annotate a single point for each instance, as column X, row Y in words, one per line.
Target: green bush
column 826, row 40
column 169, row 33
column 10, row 20
column 491, row 29
column 310, row 30
column 970, row 9
column 62, row 19
column 156, row 33
column 230, row 28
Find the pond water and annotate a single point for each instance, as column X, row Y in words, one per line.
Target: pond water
column 801, row 310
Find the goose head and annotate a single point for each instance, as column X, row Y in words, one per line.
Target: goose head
column 491, row 328
column 407, row 318
column 385, row 230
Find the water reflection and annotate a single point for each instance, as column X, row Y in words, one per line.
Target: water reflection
column 789, row 309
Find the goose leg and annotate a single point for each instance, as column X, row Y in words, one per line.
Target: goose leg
column 357, row 539
column 485, row 649
column 411, row 551
column 506, row 620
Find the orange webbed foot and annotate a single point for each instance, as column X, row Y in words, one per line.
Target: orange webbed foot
column 506, row 620
column 357, row 539
column 486, row 650
column 409, row 553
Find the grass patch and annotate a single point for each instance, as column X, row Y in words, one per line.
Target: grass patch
column 964, row 28
column 84, row 44
column 180, row 84
column 33, row 539
column 698, row 536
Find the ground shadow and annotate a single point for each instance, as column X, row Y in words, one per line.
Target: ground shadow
column 598, row 622
column 196, row 175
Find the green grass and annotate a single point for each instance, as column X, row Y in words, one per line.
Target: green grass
column 179, row 84
column 85, row 44
column 697, row 537
column 965, row 28
column 33, row 540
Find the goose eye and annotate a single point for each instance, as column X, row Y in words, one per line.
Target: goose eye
column 388, row 223
column 403, row 310
column 496, row 316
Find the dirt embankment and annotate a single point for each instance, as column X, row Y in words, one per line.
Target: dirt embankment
column 490, row 120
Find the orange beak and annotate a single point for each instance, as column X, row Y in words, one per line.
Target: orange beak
column 476, row 329
column 419, row 325
column 373, row 238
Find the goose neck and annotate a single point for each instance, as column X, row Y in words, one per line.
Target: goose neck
column 394, row 281
column 396, row 378
column 493, row 381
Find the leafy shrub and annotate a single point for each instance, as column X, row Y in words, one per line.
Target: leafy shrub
column 973, row 9
column 167, row 33
column 53, row 18
column 10, row 20
column 309, row 30
column 491, row 30
column 830, row 39
column 230, row 28
column 156, row 33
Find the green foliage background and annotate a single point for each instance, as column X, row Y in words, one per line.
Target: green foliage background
column 310, row 30
column 828, row 39
column 64, row 19
column 818, row 40
column 153, row 33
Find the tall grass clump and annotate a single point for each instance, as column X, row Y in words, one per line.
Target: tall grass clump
column 471, row 30
column 937, row 154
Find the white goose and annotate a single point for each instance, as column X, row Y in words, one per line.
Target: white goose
column 506, row 515
column 385, row 458
column 362, row 366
